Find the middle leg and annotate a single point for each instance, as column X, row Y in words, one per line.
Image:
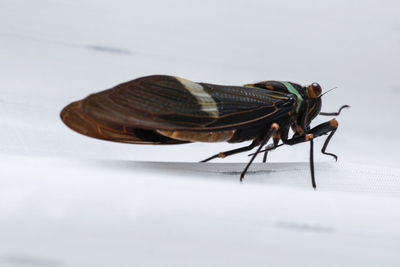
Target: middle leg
column 271, row 131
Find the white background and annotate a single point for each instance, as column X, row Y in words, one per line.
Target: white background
column 69, row 200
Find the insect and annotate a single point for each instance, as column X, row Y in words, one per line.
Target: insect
column 162, row 109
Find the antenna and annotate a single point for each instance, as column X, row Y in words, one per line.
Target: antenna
column 329, row 91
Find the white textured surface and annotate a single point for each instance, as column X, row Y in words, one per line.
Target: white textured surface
column 68, row 200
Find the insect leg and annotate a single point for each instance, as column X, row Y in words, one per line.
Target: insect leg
column 309, row 137
column 265, row 156
column 269, row 148
column 314, row 185
column 271, row 131
column 232, row 152
column 323, row 129
column 328, row 139
column 278, row 135
column 317, row 131
column 334, row 113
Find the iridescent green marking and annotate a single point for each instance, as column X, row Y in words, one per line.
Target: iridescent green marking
column 293, row 90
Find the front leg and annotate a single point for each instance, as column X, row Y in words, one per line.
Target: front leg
column 322, row 129
column 319, row 130
column 334, row 113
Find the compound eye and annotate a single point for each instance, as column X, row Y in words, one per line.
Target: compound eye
column 314, row 90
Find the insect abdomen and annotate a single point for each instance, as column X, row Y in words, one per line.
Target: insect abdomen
column 195, row 136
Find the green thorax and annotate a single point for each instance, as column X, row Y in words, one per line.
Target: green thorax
column 293, row 90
